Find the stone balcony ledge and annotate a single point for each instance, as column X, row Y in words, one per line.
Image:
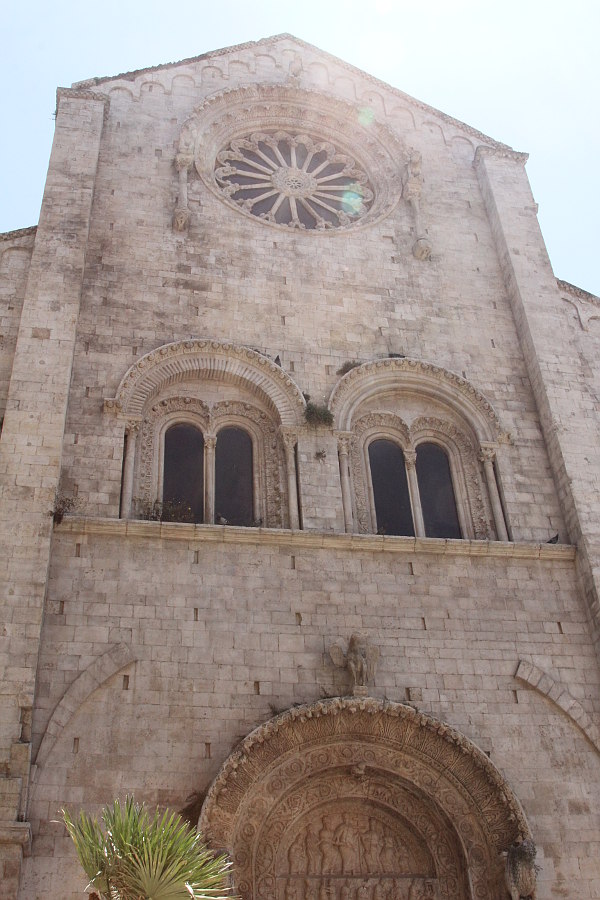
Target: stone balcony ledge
column 364, row 543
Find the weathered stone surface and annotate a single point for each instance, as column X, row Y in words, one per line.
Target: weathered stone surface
column 139, row 655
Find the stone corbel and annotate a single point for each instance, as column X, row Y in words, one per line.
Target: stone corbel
column 181, row 213
column 412, row 185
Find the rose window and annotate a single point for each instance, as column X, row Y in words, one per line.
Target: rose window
column 293, row 180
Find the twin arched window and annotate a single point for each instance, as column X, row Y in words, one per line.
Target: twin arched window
column 219, row 486
column 400, row 497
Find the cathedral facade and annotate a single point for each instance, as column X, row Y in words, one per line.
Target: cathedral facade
column 299, row 473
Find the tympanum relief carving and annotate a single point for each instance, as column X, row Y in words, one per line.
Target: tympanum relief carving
column 352, row 851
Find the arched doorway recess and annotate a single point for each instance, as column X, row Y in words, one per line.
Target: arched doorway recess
column 362, row 799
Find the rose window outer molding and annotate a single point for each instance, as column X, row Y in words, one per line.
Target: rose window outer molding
column 294, row 159
column 294, row 180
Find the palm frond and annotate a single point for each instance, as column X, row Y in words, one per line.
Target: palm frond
column 139, row 857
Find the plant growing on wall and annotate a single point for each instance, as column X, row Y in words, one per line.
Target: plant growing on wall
column 317, row 413
column 137, row 856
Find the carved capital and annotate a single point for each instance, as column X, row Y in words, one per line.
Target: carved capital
column 289, row 439
column 210, row 441
column 132, row 426
column 344, row 442
column 487, row 453
column 184, row 161
column 410, row 458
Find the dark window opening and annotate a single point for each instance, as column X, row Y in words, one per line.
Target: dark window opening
column 390, row 489
column 233, row 478
column 183, row 476
column 438, row 502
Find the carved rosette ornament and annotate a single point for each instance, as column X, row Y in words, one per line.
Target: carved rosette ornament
column 350, row 798
column 294, row 180
column 294, row 158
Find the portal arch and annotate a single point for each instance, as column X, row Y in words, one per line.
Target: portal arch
column 358, row 797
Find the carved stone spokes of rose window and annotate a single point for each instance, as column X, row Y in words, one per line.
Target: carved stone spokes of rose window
column 293, row 180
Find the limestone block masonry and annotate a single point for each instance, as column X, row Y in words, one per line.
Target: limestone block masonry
column 267, row 250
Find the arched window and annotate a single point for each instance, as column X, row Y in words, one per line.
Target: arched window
column 183, row 474
column 438, row 503
column 234, row 503
column 390, row 489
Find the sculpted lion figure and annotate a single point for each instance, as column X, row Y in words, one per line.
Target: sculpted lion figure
column 521, row 870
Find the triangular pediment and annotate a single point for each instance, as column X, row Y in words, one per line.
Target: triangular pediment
column 285, row 55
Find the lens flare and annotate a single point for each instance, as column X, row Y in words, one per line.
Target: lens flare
column 365, row 115
column 352, row 200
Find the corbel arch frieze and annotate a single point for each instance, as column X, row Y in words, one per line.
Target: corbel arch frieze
column 415, row 377
column 208, row 360
column 375, row 769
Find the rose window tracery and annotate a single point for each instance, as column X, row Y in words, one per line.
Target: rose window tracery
column 294, row 180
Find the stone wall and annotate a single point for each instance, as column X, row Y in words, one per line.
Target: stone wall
column 15, row 255
column 206, row 633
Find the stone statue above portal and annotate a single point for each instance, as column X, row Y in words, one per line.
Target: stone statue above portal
column 360, row 659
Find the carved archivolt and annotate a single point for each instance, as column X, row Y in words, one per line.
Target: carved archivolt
column 227, row 123
column 214, row 360
column 417, row 377
column 269, row 462
column 468, row 487
column 352, row 798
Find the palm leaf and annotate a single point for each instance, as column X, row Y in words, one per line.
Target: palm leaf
column 138, row 857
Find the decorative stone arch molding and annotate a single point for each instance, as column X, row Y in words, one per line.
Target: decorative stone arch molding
column 465, row 424
column 468, row 488
column 414, row 376
column 208, row 359
column 371, row 149
column 146, row 404
column 362, row 797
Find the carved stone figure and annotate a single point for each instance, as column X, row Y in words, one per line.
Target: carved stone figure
column 345, row 840
column 372, row 845
column 331, row 859
column 412, row 182
column 181, row 218
column 313, row 848
column 521, row 870
column 297, row 858
column 360, row 660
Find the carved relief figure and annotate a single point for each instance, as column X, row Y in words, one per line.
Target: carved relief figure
column 521, row 870
column 372, row 843
column 313, row 847
column 331, row 859
column 360, row 660
column 297, row 857
column 345, row 840
column 412, row 186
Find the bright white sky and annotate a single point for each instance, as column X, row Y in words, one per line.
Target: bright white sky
column 525, row 72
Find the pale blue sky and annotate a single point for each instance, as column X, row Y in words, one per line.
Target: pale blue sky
column 523, row 71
